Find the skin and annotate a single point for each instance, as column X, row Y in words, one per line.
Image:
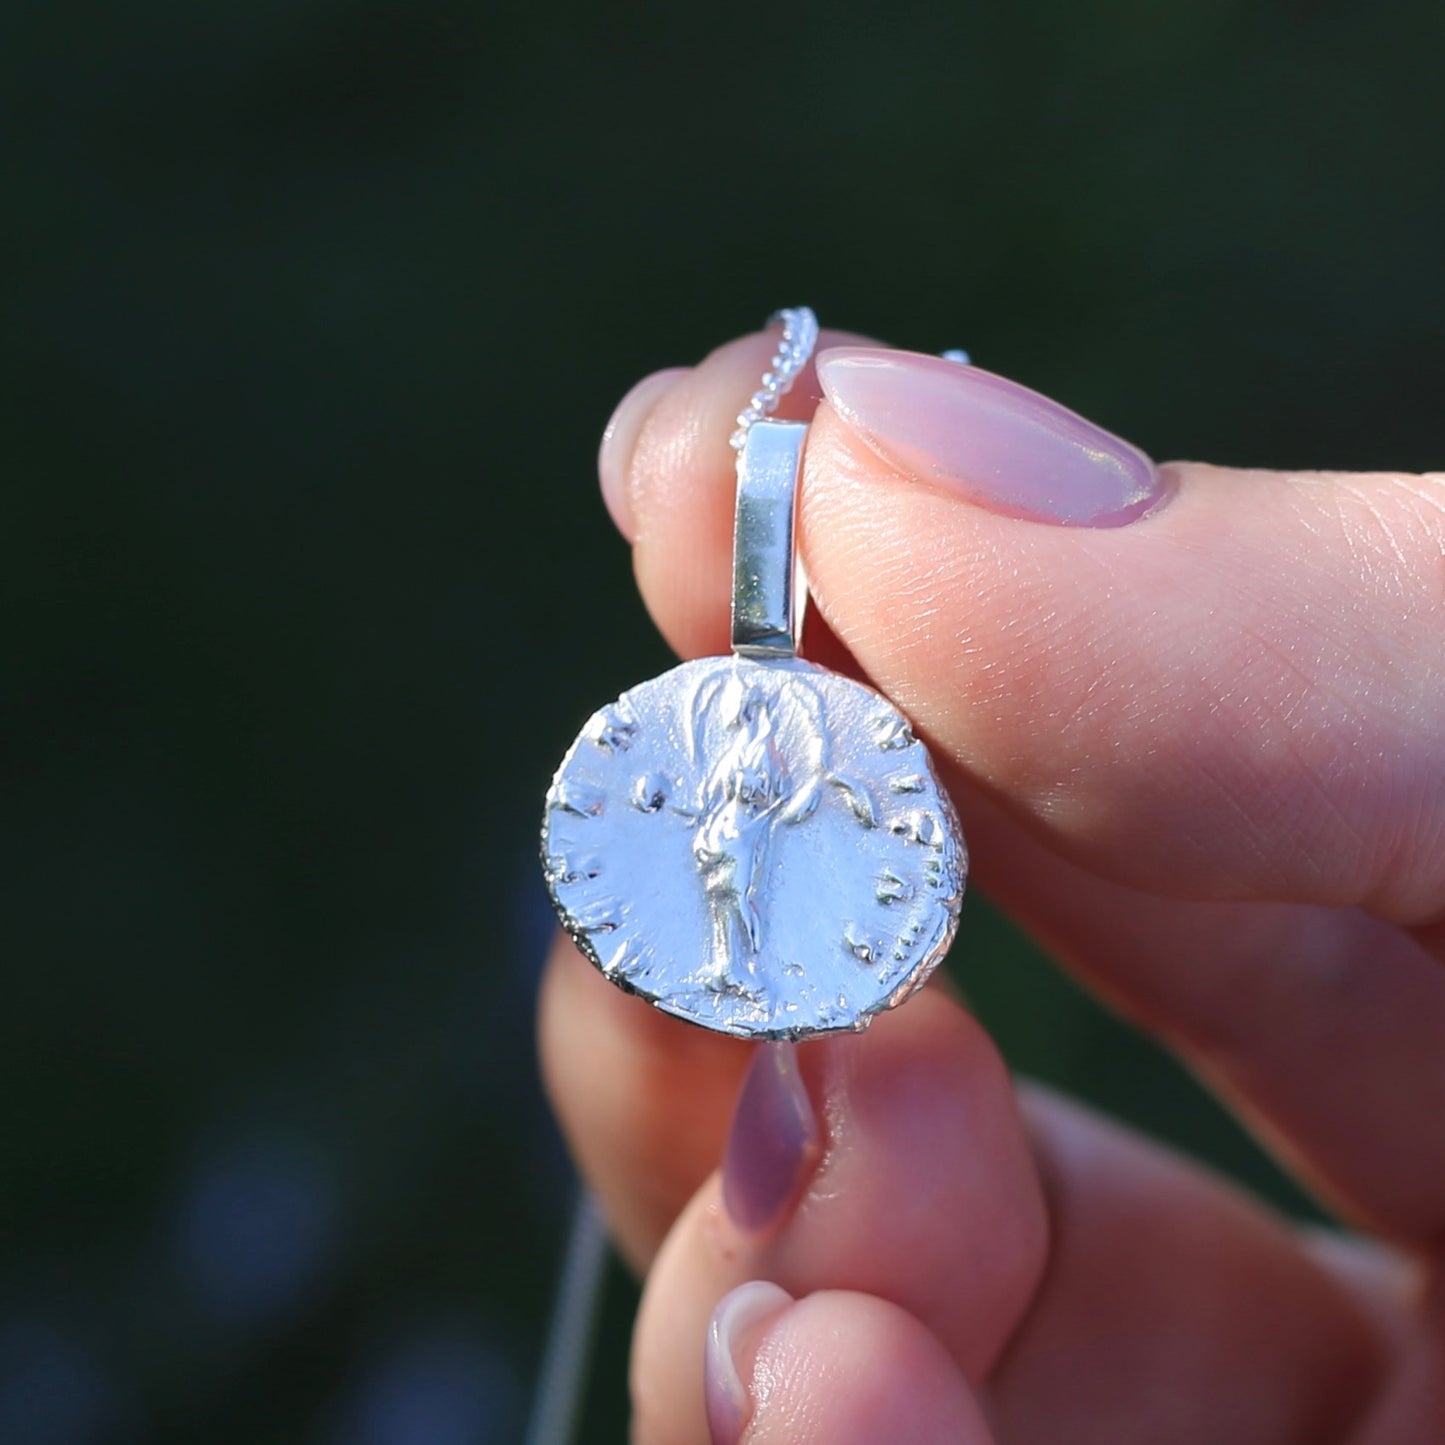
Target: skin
column 1199, row 758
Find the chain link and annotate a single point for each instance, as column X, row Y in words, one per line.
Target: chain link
column 795, row 350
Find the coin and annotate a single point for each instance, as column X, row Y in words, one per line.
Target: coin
column 759, row 847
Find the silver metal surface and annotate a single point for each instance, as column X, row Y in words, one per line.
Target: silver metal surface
column 795, row 349
column 763, row 551
column 762, row 848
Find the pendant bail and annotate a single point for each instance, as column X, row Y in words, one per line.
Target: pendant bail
column 769, row 593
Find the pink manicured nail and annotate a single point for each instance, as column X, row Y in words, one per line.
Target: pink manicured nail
column 987, row 439
column 774, row 1143
column 728, row 1402
column 619, row 440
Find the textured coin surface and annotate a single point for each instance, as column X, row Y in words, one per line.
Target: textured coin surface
column 761, row 848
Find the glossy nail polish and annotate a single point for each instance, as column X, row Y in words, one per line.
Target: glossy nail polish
column 726, row 1390
column 774, row 1144
column 987, row 439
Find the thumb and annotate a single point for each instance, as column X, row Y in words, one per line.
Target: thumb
column 1205, row 682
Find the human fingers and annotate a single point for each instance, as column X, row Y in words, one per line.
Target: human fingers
column 1228, row 691
column 1172, row 1307
column 836, row 1368
column 892, row 1163
column 667, row 476
column 1322, row 1027
column 1321, row 1021
column 643, row 1100
column 1175, row 1308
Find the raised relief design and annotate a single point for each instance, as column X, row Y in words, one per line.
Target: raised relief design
column 738, row 843
column 863, row 948
column 893, row 731
column 649, row 793
column 768, row 775
column 613, row 729
column 577, row 798
column 891, row 888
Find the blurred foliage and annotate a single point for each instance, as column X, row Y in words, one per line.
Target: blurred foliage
column 313, row 314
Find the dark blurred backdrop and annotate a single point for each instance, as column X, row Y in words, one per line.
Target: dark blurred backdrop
column 313, row 313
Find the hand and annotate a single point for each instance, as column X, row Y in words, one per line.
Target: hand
column 1194, row 720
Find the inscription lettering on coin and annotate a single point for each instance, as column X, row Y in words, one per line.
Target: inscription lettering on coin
column 759, row 847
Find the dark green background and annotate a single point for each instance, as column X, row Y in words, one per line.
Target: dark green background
column 313, row 313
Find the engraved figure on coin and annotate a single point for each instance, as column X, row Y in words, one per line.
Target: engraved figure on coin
column 768, row 776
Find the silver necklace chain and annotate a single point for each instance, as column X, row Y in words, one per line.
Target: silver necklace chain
column 795, row 350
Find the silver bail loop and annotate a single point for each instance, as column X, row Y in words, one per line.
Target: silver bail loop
column 768, row 590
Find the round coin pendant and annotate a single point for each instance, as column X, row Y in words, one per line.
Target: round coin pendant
column 759, row 847
column 754, row 843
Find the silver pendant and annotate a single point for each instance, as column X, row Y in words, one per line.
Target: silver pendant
column 754, row 843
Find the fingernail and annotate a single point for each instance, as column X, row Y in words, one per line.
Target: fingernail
column 774, row 1142
column 738, row 1314
column 987, row 439
column 619, row 441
